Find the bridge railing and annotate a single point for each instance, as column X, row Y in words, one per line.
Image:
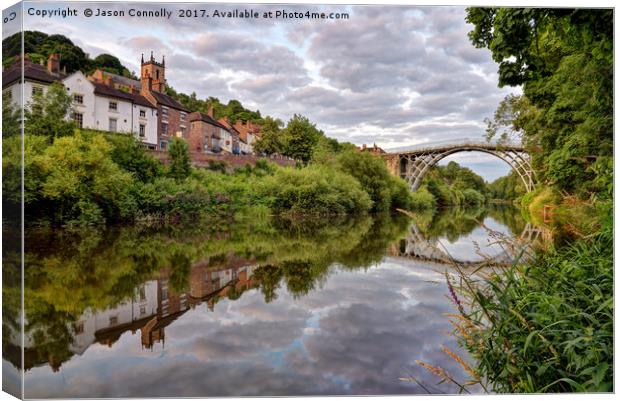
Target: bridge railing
column 465, row 142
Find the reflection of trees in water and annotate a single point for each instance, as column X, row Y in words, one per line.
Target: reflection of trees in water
column 454, row 223
column 69, row 273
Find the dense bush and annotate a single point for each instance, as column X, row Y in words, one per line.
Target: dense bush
column 314, row 190
column 422, row 199
column 386, row 191
column 80, row 180
column 128, row 153
column 180, row 165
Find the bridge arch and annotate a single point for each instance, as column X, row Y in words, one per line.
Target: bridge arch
column 413, row 165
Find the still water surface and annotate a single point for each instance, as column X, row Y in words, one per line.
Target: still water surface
column 255, row 309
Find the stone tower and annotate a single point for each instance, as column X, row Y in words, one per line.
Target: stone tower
column 153, row 75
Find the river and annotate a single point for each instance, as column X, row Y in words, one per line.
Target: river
column 255, row 308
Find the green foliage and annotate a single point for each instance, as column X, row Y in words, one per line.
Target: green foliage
column 301, row 137
column 318, row 190
column 128, row 153
column 33, row 146
column 385, row 191
column 271, row 140
column 47, row 113
column 180, row 165
column 453, row 185
column 39, row 46
column 423, row 200
column 564, row 60
column 509, row 187
column 11, row 117
column 80, row 180
column 547, row 326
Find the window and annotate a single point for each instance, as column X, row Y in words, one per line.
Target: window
column 113, row 106
column 113, row 320
column 142, row 310
column 79, row 119
column 142, row 113
column 79, row 99
column 164, row 129
column 183, row 116
column 112, row 125
column 164, row 112
column 164, row 294
column 142, row 130
column 37, row 90
column 183, row 130
column 142, row 293
column 79, row 328
column 162, row 145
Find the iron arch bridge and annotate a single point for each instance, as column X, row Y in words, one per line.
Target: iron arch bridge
column 412, row 165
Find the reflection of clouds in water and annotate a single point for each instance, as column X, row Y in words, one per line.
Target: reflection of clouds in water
column 464, row 248
column 357, row 335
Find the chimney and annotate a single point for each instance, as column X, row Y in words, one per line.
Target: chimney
column 108, row 81
column 53, row 63
column 210, row 111
column 132, row 89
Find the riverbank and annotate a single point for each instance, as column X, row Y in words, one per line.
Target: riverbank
column 547, row 325
column 90, row 178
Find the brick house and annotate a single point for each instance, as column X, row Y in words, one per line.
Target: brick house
column 205, row 133
column 248, row 133
column 171, row 115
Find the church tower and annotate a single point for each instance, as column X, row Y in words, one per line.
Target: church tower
column 153, row 75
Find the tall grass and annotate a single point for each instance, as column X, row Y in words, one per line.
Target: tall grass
column 546, row 326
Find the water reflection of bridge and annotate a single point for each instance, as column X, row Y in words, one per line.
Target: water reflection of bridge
column 417, row 246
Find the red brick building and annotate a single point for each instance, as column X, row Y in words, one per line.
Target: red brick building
column 205, row 133
column 172, row 116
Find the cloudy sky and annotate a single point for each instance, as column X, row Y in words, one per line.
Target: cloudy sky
column 391, row 75
column 356, row 334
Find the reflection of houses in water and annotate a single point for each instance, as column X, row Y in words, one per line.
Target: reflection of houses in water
column 153, row 306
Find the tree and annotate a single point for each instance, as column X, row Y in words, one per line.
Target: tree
column 10, row 118
column 564, row 60
column 509, row 120
column 301, row 137
column 180, row 166
column 47, row 113
column 271, row 139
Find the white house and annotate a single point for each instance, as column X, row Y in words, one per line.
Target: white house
column 36, row 78
column 100, row 106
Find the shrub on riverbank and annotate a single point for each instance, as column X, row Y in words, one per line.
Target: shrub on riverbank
column 385, row 191
column 314, row 190
column 547, row 326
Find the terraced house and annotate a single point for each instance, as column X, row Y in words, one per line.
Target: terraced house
column 110, row 102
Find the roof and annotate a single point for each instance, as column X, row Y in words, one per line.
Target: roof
column 105, row 90
column 198, row 116
column 168, row 101
column 124, row 80
column 34, row 72
column 228, row 126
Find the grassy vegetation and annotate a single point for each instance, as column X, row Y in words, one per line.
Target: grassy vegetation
column 546, row 326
